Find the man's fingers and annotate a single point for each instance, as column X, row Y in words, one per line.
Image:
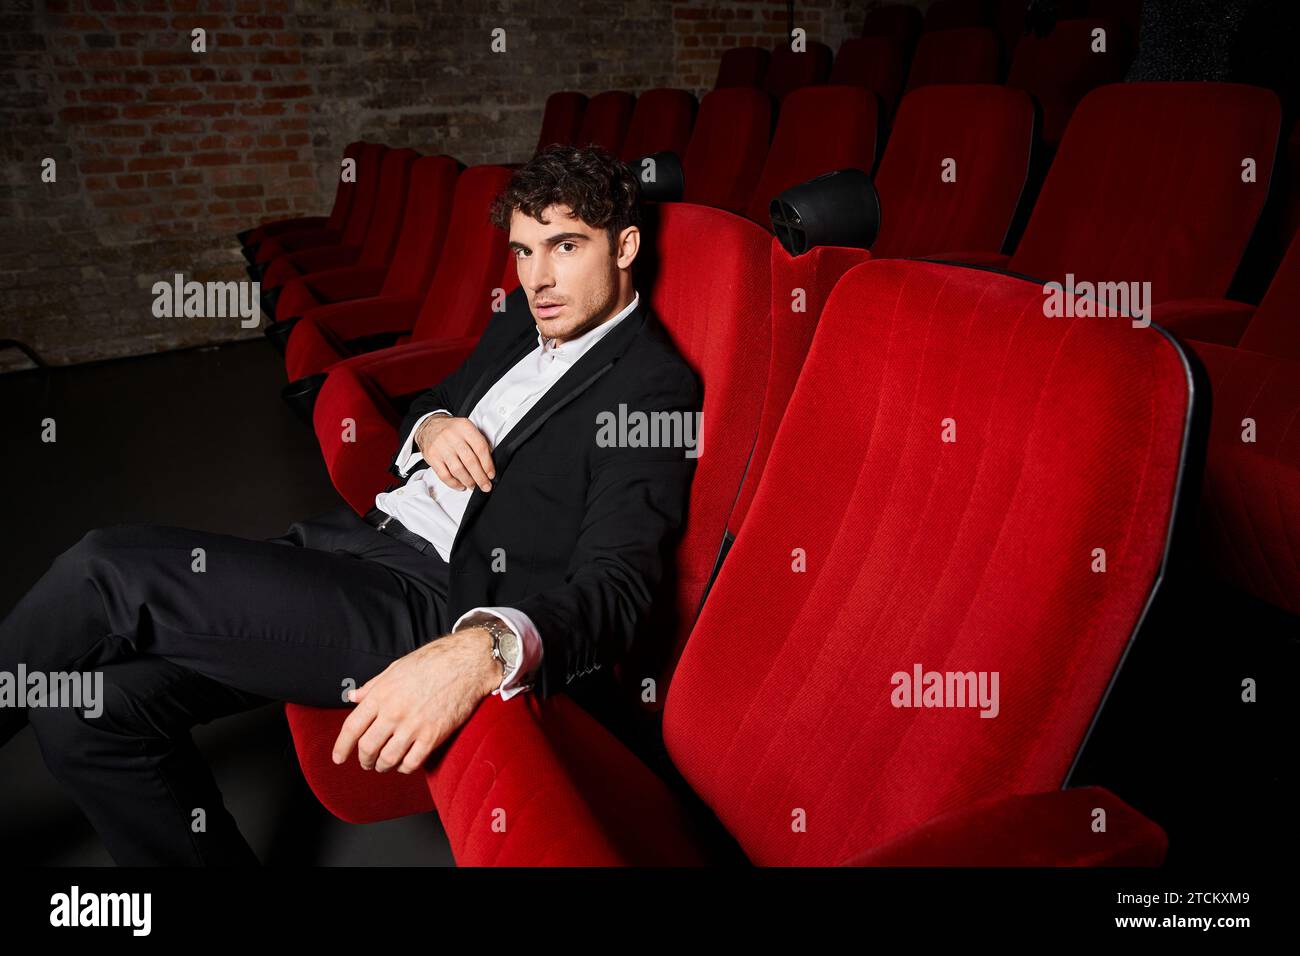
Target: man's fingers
column 353, row 728
column 483, row 451
column 394, row 751
column 416, row 756
column 445, row 476
column 372, row 742
column 457, row 469
column 471, row 463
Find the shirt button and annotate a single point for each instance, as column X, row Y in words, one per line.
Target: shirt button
column 501, row 409
column 401, row 491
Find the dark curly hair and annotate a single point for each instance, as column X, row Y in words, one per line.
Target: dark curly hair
column 596, row 187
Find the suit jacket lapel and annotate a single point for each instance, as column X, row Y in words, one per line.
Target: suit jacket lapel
column 520, row 346
column 598, row 360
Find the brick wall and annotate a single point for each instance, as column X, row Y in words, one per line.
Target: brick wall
column 163, row 153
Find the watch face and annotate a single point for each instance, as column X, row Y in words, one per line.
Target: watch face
column 509, row 645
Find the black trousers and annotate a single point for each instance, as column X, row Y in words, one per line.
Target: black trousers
column 188, row 626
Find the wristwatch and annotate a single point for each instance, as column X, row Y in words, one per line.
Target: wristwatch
column 505, row 643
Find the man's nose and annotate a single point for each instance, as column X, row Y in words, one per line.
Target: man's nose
column 539, row 275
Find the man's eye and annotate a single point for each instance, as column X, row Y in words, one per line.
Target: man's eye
column 520, row 253
column 572, row 246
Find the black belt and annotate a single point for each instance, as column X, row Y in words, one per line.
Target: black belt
column 385, row 523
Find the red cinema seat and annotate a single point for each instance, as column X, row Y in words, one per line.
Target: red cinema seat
column 605, row 121
column 1058, row 70
column 821, row 128
column 424, row 228
column 873, row 63
column 800, row 287
column 742, row 66
column 728, row 146
column 906, row 553
column 788, row 70
column 1250, row 500
column 1150, row 184
column 943, row 15
column 661, row 122
column 900, row 23
column 457, row 301
column 334, row 222
column 987, row 132
column 376, row 250
column 561, row 119
column 969, row 55
column 365, row 191
column 710, row 290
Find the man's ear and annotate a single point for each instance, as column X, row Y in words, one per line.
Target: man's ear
column 629, row 243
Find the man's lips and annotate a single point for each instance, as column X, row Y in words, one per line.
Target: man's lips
column 548, row 310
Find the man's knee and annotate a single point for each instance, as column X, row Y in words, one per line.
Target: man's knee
column 110, row 717
column 98, row 544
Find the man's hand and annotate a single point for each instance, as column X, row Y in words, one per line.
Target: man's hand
column 416, row 703
column 457, row 452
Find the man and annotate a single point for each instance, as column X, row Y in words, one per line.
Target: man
column 521, row 554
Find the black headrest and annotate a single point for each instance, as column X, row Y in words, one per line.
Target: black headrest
column 660, row 175
column 839, row 208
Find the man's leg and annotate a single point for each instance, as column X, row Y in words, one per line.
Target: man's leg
column 291, row 618
column 134, row 770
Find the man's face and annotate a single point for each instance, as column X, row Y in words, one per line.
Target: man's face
column 567, row 270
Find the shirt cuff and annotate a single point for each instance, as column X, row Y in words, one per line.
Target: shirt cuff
column 411, row 453
column 530, row 640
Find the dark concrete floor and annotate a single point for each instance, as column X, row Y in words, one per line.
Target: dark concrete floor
column 194, row 439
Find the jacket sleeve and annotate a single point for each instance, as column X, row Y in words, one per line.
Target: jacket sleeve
column 636, row 502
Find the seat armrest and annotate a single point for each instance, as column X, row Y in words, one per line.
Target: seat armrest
column 1055, row 828
column 412, row 367
column 1221, row 321
column 532, row 782
column 373, row 316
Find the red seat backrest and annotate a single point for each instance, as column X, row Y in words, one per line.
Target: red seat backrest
column 424, row 226
column 1061, row 68
column 873, row 63
column 710, row 292
column 969, row 55
column 390, row 206
column 899, row 22
column 788, row 71
column 873, row 546
column 821, row 128
column 661, row 122
column 345, row 192
column 460, row 297
column 365, row 193
column 605, row 121
column 987, row 132
column 728, row 145
column 561, row 119
column 800, row 287
column 742, row 66
column 1147, row 186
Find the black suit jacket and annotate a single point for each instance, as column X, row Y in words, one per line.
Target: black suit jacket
column 585, row 530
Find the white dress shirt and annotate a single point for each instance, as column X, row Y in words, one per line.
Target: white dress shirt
column 433, row 509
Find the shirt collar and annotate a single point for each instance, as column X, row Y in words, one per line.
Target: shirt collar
column 574, row 349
